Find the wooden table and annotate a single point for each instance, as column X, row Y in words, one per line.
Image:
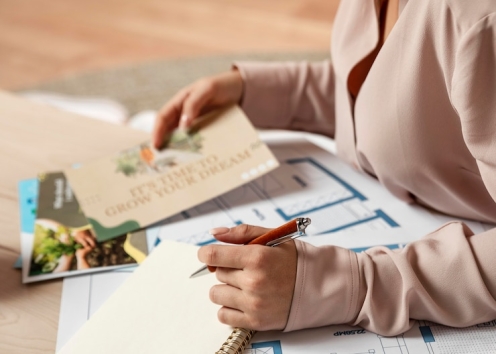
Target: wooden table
column 35, row 138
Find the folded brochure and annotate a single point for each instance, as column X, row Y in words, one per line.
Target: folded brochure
column 141, row 185
column 59, row 239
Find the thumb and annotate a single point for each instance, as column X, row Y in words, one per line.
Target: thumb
column 240, row 234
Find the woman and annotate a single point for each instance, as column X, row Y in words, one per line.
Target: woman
column 410, row 99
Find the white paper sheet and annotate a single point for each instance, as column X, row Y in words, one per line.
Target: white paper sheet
column 159, row 309
column 311, row 183
column 424, row 338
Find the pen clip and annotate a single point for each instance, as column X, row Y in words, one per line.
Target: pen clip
column 284, row 239
column 301, row 225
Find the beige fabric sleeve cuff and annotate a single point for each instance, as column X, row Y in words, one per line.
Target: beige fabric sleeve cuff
column 327, row 287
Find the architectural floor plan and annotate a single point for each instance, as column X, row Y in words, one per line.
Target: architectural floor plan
column 309, row 183
column 423, row 338
column 347, row 208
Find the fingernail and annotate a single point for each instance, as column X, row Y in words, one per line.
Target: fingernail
column 183, row 122
column 219, row 231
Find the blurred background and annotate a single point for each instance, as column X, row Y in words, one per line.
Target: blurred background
column 121, row 60
column 45, row 40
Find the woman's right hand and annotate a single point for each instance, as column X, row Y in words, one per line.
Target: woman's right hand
column 196, row 99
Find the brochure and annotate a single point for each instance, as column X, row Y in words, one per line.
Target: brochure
column 141, row 185
column 57, row 239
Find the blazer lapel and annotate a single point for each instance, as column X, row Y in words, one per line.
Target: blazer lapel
column 355, row 35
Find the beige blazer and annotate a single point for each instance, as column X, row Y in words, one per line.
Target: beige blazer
column 424, row 124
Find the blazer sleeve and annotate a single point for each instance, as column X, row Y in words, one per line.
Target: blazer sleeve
column 449, row 276
column 288, row 95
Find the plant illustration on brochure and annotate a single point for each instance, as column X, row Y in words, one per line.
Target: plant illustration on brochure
column 57, row 248
column 63, row 238
column 145, row 159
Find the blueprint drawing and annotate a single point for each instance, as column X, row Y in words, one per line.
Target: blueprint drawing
column 347, row 208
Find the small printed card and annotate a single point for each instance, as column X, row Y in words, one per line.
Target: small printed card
column 141, row 185
column 61, row 240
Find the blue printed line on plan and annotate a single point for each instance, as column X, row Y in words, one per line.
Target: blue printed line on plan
column 275, row 345
column 391, row 247
column 203, row 243
column 355, row 193
column 379, row 214
column 427, row 334
column 299, row 181
column 387, row 218
column 289, row 217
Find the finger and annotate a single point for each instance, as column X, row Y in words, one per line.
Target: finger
column 227, row 296
column 224, row 256
column 88, row 248
column 162, row 126
column 232, row 317
column 229, row 276
column 91, row 241
column 196, row 101
column 240, row 234
column 83, row 242
column 168, row 118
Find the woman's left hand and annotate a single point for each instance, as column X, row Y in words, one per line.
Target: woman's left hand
column 258, row 281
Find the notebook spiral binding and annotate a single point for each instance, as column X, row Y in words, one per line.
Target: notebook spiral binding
column 237, row 341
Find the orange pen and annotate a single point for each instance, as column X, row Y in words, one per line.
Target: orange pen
column 287, row 232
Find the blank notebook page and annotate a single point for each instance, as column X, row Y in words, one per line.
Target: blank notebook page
column 159, row 309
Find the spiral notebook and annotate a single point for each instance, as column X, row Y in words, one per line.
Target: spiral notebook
column 159, row 309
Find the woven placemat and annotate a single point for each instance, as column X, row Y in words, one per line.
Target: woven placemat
column 149, row 85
